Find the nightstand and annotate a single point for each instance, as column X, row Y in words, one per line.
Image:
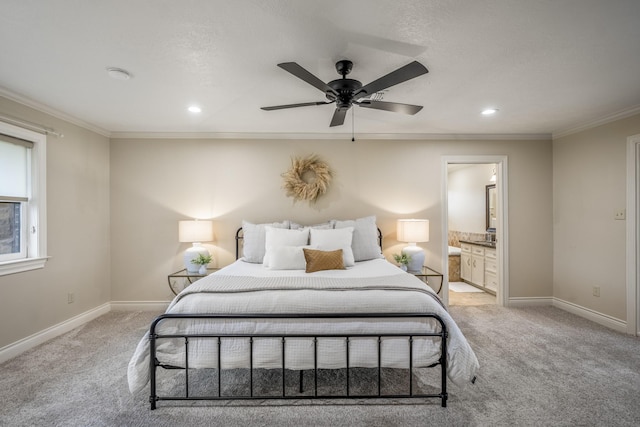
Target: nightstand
column 427, row 275
column 188, row 278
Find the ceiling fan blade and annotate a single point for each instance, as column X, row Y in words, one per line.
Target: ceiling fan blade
column 303, row 74
column 304, row 104
column 400, row 75
column 391, row 106
column 338, row 117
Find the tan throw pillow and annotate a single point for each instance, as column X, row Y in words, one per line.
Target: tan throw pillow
column 323, row 260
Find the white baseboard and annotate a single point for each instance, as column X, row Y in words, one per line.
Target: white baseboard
column 12, row 350
column 530, row 301
column 578, row 310
column 600, row 318
column 139, row 305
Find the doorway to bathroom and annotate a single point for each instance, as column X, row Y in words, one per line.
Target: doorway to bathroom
column 474, row 230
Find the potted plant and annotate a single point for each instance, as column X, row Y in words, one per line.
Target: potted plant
column 202, row 261
column 403, row 260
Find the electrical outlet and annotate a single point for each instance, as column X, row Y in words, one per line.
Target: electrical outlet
column 596, row 291
column 70, row 297
column 620, row 214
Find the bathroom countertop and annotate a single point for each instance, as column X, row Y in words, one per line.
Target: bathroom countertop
column 484, row 243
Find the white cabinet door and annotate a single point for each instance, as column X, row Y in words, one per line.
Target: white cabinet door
column 465, row 267
column 465, row 262
column 477, row 265
column 477, row 269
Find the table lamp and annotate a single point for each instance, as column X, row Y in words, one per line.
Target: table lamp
column 196, row 232
column 413, row 231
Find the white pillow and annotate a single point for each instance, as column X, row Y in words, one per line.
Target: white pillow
column 365, row 238
column 253, row 240
column 278, row 237
column 287, row 258
column 331, row 240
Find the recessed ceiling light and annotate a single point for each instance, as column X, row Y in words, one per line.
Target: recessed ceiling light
column 118, row 73
column 195, row 109
column 489, row 111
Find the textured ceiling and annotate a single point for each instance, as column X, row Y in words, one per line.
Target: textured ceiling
column 548, row 65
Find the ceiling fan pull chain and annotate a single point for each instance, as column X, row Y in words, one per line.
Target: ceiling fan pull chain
column 353, row 113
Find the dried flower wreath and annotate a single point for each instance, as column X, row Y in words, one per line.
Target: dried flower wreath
column 302, row 187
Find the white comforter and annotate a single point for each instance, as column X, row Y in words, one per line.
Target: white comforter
column 374, row 286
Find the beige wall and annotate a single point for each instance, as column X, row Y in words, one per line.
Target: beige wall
column 155, row 183
column 589, row 171
column 78, row 233
column 467, row 197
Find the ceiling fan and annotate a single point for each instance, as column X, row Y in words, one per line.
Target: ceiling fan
column 347, row 92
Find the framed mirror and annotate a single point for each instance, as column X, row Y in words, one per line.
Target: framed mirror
column 491, row 207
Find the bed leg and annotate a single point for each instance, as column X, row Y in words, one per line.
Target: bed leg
column 444, row 400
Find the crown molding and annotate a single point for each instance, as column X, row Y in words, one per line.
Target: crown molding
column 331, row 136
column 619, row 115
column 28, row 102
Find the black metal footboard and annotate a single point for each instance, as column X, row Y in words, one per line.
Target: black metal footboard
column 440, row 334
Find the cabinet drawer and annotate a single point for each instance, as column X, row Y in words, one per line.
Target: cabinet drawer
column 491, row 282
column 477, row 250
column 465, row 247
column 490, row 253
column 490, row 266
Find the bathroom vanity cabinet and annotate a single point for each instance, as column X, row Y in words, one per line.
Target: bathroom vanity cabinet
column 478, row 265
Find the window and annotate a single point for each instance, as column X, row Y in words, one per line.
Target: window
column 22, row 199
column 12, row 242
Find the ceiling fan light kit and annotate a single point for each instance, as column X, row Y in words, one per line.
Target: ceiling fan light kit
column 346, row 92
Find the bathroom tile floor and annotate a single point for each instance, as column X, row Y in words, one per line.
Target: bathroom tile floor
column 471, row 298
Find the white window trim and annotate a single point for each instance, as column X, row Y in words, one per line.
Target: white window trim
column 37, row 207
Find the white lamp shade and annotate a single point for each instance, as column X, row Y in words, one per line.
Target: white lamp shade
column 413, row 230
column 194, row 231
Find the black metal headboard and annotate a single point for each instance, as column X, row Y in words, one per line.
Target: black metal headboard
column 239, row 237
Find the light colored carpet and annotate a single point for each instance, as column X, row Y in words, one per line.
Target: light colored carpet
column 539, row 367
column 463, row 287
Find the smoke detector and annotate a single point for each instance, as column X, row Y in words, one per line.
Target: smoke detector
column 118, row 73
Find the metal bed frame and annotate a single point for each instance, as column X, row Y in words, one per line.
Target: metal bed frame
column 155, row 336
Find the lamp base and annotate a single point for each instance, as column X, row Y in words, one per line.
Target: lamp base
column 191, row 254
column 417, row 258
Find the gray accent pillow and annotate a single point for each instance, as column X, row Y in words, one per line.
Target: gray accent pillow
column 365, row 238
column 254, row 239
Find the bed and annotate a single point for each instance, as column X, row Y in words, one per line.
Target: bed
column 264, row 315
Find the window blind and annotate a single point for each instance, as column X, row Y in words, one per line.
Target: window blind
column 14, row 168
